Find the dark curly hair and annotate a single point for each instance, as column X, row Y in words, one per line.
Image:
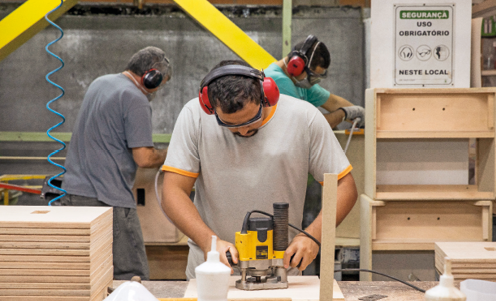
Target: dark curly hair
column 232, row 92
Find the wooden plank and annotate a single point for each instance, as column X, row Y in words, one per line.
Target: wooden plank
column 92, row 279
column 300, row 288
column 21, row 286
column 61, row 259
column 46, row 238
column 43, row 231
column 366, row 234
column 476, row 53
column 485, row 165
column 434, row 134
column 167, row 262
column 92, row 251
column 435, row 112
column 370, row 144
column 34, row 269
column 466, row 252
column 421, row 193
column 410, row 221
column 55, row 217
column 93, row 237
column 402, row 246
column 328, row 241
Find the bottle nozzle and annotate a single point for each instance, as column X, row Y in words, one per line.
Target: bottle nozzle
column 214, row 243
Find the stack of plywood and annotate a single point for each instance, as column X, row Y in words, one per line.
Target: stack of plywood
column 55, row 253
column 469, row 260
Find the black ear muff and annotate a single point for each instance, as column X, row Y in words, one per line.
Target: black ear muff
column 298, row 58
column 269, row 93
column 152, row 79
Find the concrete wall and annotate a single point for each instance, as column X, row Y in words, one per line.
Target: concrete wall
column 100, row 41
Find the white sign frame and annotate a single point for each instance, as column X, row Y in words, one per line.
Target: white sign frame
column 382, row 60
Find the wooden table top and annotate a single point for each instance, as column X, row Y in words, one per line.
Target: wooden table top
column 352, row 290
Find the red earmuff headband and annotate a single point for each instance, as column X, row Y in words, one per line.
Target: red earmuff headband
column 269, row 93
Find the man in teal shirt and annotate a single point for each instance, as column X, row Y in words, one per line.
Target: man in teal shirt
column 298, row 73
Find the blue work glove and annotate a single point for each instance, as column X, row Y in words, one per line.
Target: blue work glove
column 353, row 112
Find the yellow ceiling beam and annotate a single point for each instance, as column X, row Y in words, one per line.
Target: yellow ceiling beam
column 26, row 21
column 227, row 32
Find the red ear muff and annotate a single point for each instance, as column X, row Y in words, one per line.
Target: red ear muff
column 204, row 102
column 296, row 65
column 271, row 92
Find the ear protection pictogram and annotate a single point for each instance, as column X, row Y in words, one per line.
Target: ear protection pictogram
column 269, row 90
column 298, row 59
column 152, row 79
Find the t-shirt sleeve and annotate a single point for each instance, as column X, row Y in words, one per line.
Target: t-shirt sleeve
column 326, row 154
column 182, row 155
column 317, row 95
column 286, row 86
column 138, row 126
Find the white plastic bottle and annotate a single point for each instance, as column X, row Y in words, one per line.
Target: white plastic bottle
column 212, row 277
column 445, row 290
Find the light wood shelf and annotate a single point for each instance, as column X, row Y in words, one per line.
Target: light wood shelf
column 418, row 133
column 488, row 72
column 434, row 134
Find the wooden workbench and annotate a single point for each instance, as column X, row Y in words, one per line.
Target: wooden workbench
column 352, row 290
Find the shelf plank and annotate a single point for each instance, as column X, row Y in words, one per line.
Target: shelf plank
column 488, row 72
column 438, row 196
column 434, row 134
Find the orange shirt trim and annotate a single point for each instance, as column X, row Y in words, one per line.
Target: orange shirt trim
column 272, row 112
column 342, row 174
column 180, row 171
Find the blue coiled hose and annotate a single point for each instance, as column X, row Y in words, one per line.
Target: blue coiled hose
column 48, row 107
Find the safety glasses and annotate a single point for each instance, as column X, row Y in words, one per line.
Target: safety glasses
column 251, row 121
column 314, row 77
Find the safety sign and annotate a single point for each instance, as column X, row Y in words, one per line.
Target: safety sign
column 423, row 44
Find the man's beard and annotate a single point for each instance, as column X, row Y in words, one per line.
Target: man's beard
column 249, row 132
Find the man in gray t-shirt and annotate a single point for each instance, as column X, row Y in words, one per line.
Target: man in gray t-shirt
column 243, row 151
column 111, row 137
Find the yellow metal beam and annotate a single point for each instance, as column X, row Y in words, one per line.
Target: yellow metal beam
column 26, row 21
column 226, row 31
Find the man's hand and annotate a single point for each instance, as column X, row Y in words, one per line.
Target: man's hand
column 353, row 112
column 304, row 249
column 222, row 247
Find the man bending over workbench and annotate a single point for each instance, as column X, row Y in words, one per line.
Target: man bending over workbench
column 246, row 148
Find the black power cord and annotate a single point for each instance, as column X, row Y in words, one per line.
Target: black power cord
column 391, row 277
column 247, row 217
column 245, row 227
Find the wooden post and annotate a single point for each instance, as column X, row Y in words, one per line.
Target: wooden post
column 329, row 200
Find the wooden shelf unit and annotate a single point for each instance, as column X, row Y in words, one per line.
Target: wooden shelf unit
column 432, row 114
column 412, row 217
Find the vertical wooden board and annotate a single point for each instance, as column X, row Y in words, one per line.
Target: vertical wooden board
column 475, row 70
column 485, row 165
column 365, row 237
column 370, row 143
column 329, row 201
